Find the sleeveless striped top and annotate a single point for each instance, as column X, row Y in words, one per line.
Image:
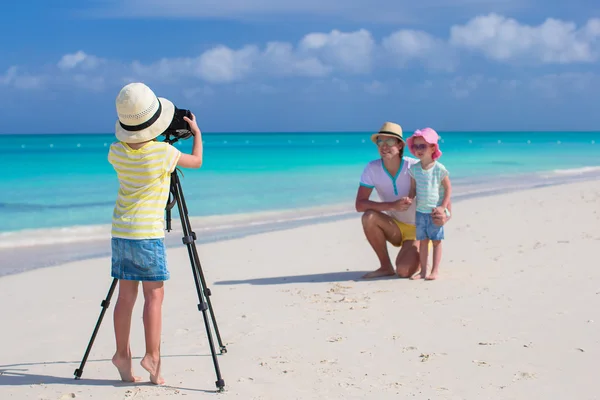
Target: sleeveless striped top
column 144, row 182
column 430, row 192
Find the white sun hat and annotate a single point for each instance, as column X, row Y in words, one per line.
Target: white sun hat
column 142, row 115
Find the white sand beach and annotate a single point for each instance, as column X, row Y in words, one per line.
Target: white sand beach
column 514, row 315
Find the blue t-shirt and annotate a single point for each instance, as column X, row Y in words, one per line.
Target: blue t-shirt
column 430, row 191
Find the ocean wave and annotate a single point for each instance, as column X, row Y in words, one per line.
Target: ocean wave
column 576, row 171
column 49, row 236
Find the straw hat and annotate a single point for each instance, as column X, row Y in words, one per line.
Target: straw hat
column 389, row 129
column 142, row 115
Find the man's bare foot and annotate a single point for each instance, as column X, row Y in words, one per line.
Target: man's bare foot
column 416, row 276
column 125, row 369
column 379, row 273
column 152, row 365
column 432, row 276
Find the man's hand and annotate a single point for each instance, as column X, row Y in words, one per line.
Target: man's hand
column 439, row 216
column 401, row 204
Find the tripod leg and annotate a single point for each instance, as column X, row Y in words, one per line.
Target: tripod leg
column 188, row 239
column 105, row 303
column 207, row 293
column 203, row 307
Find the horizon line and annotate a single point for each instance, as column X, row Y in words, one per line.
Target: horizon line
column 315, row 131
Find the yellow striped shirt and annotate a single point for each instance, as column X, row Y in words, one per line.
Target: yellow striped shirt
column 144, row 182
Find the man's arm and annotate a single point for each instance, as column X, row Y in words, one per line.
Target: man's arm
column 363, row 203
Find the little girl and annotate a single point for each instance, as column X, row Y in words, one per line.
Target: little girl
column 430, row 184
column 143, row 166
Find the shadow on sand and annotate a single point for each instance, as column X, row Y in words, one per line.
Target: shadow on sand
column 354, row 276
column 15, row 375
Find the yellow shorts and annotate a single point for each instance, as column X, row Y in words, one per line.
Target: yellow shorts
column 409, row 232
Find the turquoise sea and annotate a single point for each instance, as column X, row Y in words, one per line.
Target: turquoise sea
column 52, row 184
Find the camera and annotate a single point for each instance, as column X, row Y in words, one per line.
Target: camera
column 179, row 128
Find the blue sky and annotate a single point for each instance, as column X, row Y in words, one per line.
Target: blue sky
column 312, row 65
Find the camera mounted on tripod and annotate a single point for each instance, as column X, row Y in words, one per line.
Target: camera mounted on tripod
column 179, row 129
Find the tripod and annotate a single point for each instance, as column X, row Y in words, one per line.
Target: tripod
column 189, row 238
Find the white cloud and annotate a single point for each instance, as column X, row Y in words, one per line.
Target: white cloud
column 168, row 70
column 406, row 46
column 505, row 39
column 316, row 55
column 79, row 59
column 280, row 58
column 12, row 77
column 8, row 76
column 345, row 56
column 322, row 54
column 224, row 65
column 351, row 52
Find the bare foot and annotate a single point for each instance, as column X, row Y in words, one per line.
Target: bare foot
column 125, row 369
column 379, row 273
column 416, row 276
column 152, row 365
column 432, row 276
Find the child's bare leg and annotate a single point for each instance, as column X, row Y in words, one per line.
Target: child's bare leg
column 153, row 295
column 128, row 291
column 437, row 258
column 423, row 255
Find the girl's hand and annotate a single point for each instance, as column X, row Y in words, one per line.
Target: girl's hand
column 193, row 125
column 439, row 216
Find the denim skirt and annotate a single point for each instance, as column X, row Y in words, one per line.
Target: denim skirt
column 139, row 260
column 426, row 229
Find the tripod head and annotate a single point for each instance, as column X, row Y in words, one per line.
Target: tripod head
column 170, row 140
column 171, row 136
column 179, row 129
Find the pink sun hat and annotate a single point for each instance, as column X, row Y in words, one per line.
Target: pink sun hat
column 430, row 137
